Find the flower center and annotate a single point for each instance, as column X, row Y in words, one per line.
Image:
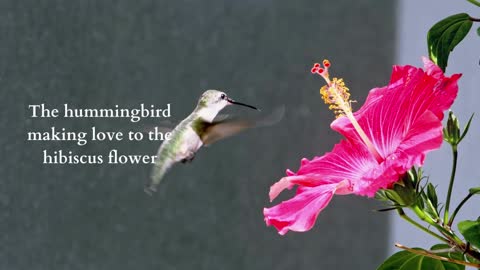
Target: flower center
column 336, row 95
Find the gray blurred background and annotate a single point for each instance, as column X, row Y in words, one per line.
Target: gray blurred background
column 208, row 214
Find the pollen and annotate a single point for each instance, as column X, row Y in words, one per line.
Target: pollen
column 335, row 93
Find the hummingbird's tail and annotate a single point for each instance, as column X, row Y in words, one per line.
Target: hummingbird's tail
column 159, row 170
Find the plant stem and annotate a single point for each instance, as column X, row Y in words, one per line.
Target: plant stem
column 450, row 237
column 450, row 186
column 458, row 208
column 414, row 223
column 435, row 256
column 476, row 3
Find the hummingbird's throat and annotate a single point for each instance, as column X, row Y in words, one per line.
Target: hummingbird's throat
column 336, row 95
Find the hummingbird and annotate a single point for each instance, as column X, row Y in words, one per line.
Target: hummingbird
column 197, row 130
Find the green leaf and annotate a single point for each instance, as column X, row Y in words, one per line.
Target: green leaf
column 475, row 2
column 478, row 31
column 381, row 196
column 466, row 128
column 475, row 190
column 470, row 229
column 405, row 260
column 412, row 175
column 449, row 254
column 432, row 195
column 445, row 35
column 472, row 260
column 389, row 209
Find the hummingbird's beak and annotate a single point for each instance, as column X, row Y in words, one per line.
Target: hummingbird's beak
column 242, row 104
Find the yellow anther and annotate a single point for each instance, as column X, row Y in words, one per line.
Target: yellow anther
column 337, row 96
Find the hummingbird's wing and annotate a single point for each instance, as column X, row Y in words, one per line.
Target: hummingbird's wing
column 163, row 126
column 224, row 128
column 227, row 127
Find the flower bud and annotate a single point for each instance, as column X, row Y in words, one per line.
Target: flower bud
column 451, row 133
column 403, row 192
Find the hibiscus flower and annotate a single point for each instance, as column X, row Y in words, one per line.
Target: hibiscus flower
column 387, row 136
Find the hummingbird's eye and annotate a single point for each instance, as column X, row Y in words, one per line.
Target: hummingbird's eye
column 222, row 96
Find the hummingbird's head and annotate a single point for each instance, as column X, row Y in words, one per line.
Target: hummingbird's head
column 213, row 101
column 218, row 100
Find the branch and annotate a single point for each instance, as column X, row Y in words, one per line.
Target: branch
column 434, row 256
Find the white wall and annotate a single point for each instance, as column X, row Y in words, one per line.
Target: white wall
column 414, row 18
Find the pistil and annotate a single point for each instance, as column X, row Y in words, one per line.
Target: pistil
column 336, row 94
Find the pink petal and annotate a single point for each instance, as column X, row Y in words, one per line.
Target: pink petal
column 300, row 212
column 279, row 186
column 403, row 121
column 345, row 162
column 289, row 181
column 432, row 69
column 424, row 136
column 349, row 160
column 390, row 113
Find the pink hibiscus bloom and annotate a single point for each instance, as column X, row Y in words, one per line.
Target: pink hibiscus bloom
column 391, row 133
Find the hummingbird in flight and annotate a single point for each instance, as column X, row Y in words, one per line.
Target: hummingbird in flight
column 197, row 130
